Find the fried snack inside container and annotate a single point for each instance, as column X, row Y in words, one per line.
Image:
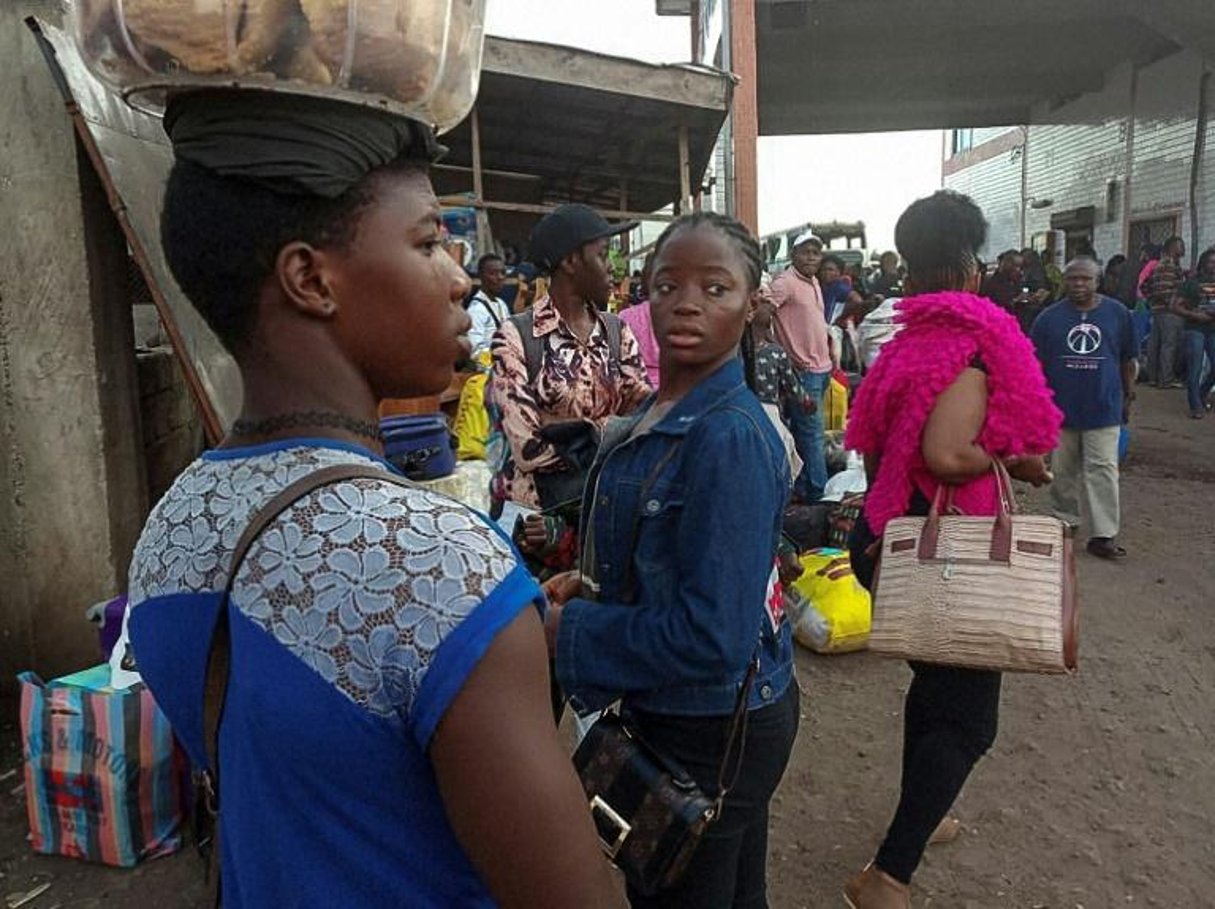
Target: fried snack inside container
column 397, row 44
column 194, row 34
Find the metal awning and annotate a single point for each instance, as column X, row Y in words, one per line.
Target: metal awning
column 552, row 124
column 832, row 66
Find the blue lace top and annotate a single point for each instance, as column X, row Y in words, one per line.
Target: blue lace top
column 355, row 619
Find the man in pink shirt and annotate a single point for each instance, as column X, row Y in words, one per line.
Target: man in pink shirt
column 801, row 329
column 637, row 317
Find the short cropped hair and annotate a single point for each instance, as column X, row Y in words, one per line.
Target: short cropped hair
column 222, row 235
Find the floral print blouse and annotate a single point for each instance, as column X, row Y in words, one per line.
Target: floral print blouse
column 577, row 381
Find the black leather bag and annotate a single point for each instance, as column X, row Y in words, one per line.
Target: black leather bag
column 576, row 443
column 649, row 812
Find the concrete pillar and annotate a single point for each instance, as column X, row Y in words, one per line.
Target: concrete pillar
column 745, row 116
column 72, row 491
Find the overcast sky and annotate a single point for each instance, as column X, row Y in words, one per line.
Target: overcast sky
column 869, row 178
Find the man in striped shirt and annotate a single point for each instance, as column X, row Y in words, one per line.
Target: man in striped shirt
column 1158, row 283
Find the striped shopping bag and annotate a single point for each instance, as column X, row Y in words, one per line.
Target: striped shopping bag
column 104, row 777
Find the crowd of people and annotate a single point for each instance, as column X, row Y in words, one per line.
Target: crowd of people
column 386, row 735
column 1173, row 308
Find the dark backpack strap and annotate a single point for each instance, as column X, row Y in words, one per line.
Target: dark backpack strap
column 219, row 662
column 484, row 301
column 613, row 325
column 533, row 347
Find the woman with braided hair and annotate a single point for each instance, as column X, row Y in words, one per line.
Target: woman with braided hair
column 677, row 595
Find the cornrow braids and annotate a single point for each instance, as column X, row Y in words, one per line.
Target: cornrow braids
column 730, row 228
column 746, row 348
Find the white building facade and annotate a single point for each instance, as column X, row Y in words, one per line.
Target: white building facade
column 1132, row 163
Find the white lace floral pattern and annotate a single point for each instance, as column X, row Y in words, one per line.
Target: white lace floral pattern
column 360, row 580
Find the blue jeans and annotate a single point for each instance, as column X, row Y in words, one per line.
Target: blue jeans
column 807, row 432
column 1198, row 343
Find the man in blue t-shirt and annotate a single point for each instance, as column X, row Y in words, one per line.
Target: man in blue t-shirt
column 1086, row 343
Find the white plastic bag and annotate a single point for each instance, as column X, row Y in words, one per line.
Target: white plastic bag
column 877, row 328
column 848, row 481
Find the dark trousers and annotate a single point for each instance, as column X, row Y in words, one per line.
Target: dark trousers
column 729, row 868
column 949, row 722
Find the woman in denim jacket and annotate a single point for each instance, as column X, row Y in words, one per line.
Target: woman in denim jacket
column 678, row 593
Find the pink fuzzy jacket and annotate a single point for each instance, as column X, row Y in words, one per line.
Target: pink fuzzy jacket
column 942, row 333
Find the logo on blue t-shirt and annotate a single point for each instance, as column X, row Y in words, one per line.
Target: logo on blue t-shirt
column 1084, row 339
column 1082, row 354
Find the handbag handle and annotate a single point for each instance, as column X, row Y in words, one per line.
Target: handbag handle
column 1001, row 534
column 219, row 660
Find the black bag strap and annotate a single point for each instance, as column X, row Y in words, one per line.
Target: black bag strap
column 738, row 722
column 533, row 347
column 737, row 737
column 219, row 661
column 483, row 299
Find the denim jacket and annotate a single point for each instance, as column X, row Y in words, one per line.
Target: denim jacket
column 681, row 528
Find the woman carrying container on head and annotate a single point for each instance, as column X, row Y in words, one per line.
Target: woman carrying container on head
column 386, row 738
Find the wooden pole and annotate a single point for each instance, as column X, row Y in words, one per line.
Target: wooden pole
column 483, row 238
column 1196, row 161
column 694, row 16
column 746, row 112
column 529, row 208
column 685, row 175
column 1129, row 182
column 624, row 204
column 213, row 427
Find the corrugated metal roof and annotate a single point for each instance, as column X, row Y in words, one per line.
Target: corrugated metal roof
column 587, row 124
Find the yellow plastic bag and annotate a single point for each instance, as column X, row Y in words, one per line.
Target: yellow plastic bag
column 831, row 611
column 835, row 405
column 472, row 420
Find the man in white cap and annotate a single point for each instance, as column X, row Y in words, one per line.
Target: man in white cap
column 801, row 327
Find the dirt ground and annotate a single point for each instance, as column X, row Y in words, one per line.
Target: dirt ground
column 1100, row 792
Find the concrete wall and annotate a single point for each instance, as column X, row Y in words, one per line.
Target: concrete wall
column 172, row 429
column 1077, row 157
column 995, row 185
column 71, row 484
column 1164, row 144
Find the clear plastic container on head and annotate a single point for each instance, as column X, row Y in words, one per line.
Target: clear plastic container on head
column 418, row 58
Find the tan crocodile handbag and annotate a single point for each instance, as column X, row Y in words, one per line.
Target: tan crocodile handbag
column 980, row 592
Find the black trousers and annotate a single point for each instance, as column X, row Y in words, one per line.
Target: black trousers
column 949, row 722
column 729, row 868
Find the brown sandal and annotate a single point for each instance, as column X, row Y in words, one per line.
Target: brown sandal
column 947, row 831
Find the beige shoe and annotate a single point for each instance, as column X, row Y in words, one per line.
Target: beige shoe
column 875, row 889
column 947, row 831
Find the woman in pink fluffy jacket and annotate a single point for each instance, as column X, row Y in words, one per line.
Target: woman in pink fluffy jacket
column 958, row 387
